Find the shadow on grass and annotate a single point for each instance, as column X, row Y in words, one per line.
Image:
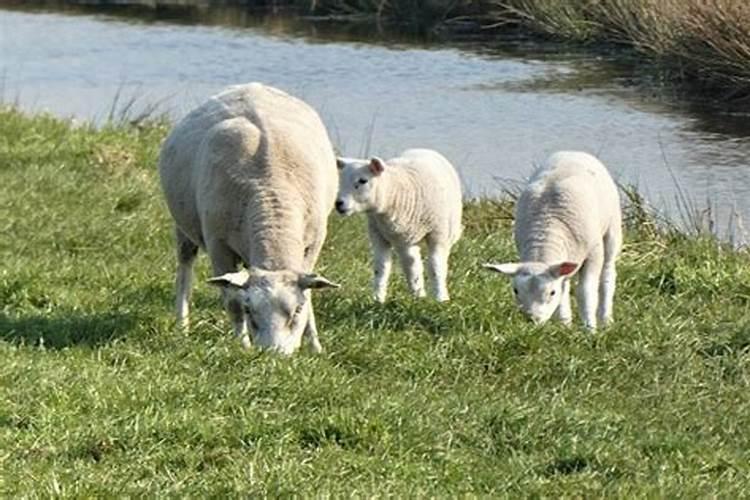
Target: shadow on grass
column 396, row 315
column 725, row 339
column 163, row 297
column 65, row 330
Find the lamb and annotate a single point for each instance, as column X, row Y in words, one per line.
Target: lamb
column 409, row 199
column 250, row 177
column 568, row 220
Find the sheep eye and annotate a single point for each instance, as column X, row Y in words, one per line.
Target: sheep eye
column 552, row 293
column 362, row 182
column 294, row 317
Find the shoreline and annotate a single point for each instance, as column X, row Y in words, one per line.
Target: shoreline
column 702, row 48
column 689, row 221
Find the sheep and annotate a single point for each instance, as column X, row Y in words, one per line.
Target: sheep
column 409, row 199
column 567, row 220
column 250, row 177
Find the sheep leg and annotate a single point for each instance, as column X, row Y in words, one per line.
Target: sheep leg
column 438, row 269
column 223, row 261
column 311, row 330
column 381, row 254
column 588, row 287
column 612, row 241
column 411, row 262
column 563, row 312
column 186, row 253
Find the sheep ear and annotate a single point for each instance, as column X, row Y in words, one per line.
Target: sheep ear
column 237, row 280
column 313, row 281
column 508, row 269
column 340, row 162
column 563, row 269
column 377, row 166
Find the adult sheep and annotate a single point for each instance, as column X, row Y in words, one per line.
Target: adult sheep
column 250, row 176
column 568, row 220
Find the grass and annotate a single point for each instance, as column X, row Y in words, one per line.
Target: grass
column 703, row 42
column 101, row 396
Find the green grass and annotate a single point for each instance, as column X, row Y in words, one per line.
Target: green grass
column 100, row 395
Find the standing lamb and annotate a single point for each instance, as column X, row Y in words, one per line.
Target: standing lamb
column 567, row 218
column 250, row 177
column 409, row 199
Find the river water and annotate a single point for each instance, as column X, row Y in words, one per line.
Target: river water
column 493, row 109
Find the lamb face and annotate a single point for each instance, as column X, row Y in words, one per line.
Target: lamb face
column 275, row 304
column 357, row 184
column 537, row 287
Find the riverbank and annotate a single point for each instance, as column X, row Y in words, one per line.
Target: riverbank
column 702, row 45
column 99, row 392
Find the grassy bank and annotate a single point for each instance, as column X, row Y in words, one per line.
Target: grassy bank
column 704, row 42
column 101, row 396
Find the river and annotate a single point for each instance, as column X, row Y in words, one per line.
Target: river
column 494, row 109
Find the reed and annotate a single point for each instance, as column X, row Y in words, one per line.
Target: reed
column 707, row 42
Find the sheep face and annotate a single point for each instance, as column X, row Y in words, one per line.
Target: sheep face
column 275, row 305
column 537, row 287
column 357, row 184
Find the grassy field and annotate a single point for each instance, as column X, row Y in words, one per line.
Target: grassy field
column 100, row 395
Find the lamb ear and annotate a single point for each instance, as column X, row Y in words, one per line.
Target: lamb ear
column 563, row 269
column 508, row 269
column 340, row 162
column 238, row 279
column 377, row 165
column 313, row 281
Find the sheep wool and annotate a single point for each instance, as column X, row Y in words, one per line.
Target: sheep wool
column 568, row 221
column 410, row 199
column 250, row 176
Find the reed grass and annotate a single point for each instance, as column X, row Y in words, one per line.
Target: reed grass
column 705, row 42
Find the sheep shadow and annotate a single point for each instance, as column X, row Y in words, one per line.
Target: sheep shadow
column 163, row 297
column 63, row 330
column 423, row 315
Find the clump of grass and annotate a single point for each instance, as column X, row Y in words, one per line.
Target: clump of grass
column 704, row 40
column 100, row 393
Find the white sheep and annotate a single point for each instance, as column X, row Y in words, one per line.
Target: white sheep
column 250, row 176
column 409, row 199
column 567, row 219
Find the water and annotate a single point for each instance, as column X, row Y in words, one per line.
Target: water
column 494, row 111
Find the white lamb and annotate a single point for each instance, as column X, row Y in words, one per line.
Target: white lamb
column 567, row 219
column 409, row 199
column 250, row 176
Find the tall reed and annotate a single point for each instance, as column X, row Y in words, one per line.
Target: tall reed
column 708, row 41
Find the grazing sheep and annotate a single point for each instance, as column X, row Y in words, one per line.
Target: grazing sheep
column 250, row 177
column 413, row 198
column 567, row 219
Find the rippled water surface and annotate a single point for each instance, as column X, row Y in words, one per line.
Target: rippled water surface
column 492, row 110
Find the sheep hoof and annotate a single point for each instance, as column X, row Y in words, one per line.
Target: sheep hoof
column 316, row 347
column 245, row 341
